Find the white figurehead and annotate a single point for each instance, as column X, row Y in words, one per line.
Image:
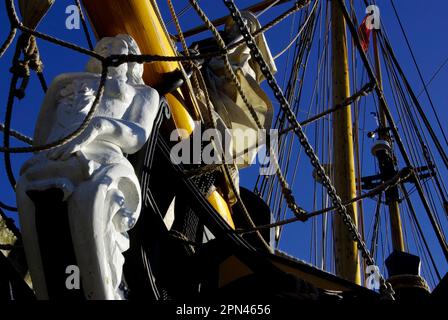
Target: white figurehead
column 99, row 184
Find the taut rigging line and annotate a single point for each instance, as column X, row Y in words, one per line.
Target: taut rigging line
column 396, row 180
column 419, row 71
column 393, row 127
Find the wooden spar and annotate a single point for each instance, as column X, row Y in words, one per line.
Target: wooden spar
column 139, row 19
column 217, row 22
column 392, row 201
column 346, row 251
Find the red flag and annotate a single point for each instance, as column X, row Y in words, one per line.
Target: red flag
column 364, row 34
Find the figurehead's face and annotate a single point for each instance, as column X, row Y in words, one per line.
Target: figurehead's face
column 106, row 47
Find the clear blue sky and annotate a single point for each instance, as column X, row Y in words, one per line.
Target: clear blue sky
column 426, row 26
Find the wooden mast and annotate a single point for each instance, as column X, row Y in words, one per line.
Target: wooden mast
column 346, row 251
column 383, row 134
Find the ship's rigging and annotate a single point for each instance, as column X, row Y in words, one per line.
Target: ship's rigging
column 418, row 174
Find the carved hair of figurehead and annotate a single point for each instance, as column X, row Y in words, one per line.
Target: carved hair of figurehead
column 109, row 45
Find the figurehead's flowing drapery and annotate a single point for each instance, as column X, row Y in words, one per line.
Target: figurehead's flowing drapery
column 226, row 100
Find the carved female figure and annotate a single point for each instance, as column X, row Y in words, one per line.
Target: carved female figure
column 99, row 184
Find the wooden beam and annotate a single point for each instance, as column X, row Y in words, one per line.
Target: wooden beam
column 346, row 251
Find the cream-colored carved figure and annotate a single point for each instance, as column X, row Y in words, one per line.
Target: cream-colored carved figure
column 99, row 184
column 228, row 103
column 230, row 109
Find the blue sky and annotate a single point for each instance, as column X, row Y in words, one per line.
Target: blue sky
column 425, row 22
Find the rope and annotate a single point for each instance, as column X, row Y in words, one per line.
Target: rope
column 114, row 60
column 6, row 140
column 435, row 74
column 287, row 192
column 234, row 79
column 228, row 67
column 274, row 3
column 109, row 61
column 414, row 219
column 186, row 50
column 419, row 132
column 20, row 69
column 8, row 41
column 364, row 91
column 376, row 226
column 71, row 136
column 42, row 81
column 183, row 11
column 386, row 289
column 391, row 121
column 297, row 6
column 17, row 135
column 267, row 27
column 84, row 24
column 400, row 177
column 388, row 49
column 293, row 40
column 419, row 73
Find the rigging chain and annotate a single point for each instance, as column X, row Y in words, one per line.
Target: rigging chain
column 390, row 119
column 109, row 61
column 231, row 73
column 287, row 192
column 115, row 61
column 212, row 121
column 400, row 177
column 386, row 288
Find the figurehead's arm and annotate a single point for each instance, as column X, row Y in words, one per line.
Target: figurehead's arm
column 48, row 111
column 132, row 131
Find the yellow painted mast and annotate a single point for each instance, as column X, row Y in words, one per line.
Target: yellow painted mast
column 346, row 251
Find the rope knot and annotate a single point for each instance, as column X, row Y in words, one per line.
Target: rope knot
column 21, row 69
